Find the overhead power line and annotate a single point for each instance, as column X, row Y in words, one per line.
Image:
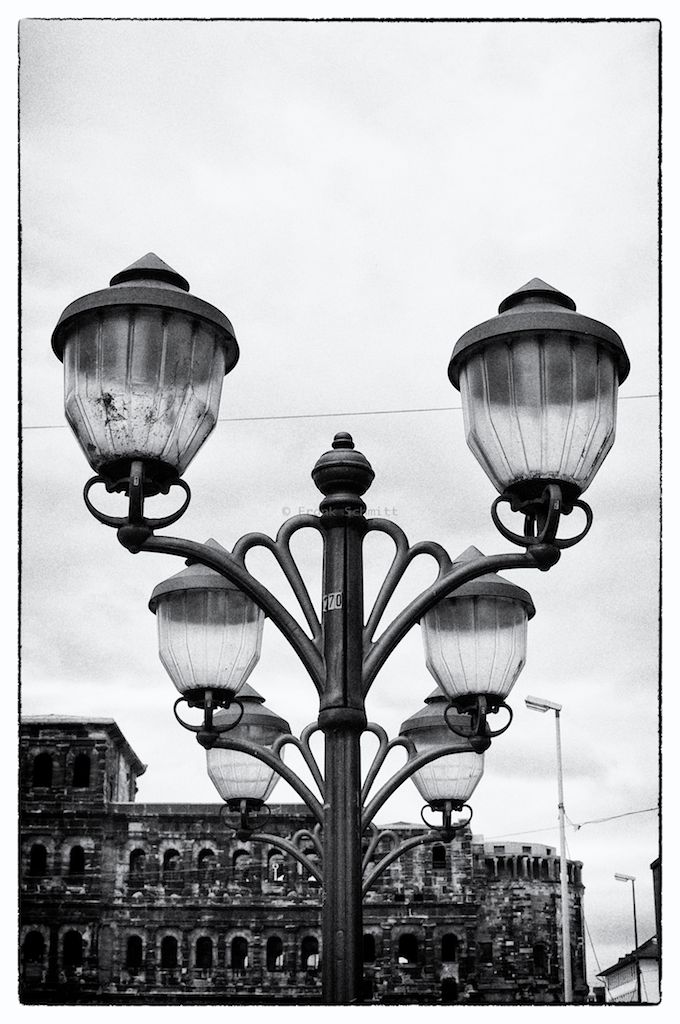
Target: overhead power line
column 576, row 827
column 317, row 415
column 612, row 817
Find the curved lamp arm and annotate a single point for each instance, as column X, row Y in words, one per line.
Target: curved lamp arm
column 287, row 846
column 280, row 548
column 232, row 569
column 396, row 852
column 384, row 747
column 314, row 836
column 269, row 757
column 376, row 836
column 302, row 745
column 403, row 557
column 444, row 585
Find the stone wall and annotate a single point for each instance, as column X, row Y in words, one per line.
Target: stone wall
column 164, row 903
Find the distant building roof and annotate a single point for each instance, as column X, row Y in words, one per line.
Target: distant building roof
column 649, row 950
column 108, row 724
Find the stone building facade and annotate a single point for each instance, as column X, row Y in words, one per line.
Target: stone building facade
column 127, row 903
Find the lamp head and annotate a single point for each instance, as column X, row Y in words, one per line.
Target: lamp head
column 538, row 704
column 624, row 878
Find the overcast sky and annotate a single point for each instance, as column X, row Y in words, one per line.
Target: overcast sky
column 354, row 197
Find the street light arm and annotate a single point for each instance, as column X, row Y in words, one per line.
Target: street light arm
column 444, row 585
column 302, row 745
column 314, row 836
column 280, row 548
column 403, row 557
column 227, row 565
column 396, row 852
column 384, row 747
column 286, row 846
column 271, row 758
column 414, row 763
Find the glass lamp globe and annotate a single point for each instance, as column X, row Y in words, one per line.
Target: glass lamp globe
column 209, row 632
column 143, row 362
column 452, row 777
column 475, row 640
column 237, row 775
column 539, row 386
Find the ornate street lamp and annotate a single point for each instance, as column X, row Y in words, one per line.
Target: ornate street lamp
column 475, row 645
column 143, row 366
column 539, row 387
column 144, row 361
column 238, row 776
column 209, row 636
column 447, row 783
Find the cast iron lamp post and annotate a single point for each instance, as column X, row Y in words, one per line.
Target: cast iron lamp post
column 143, row 363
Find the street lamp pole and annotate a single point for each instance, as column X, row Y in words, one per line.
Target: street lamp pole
column 537, row 704
column 631, row 879
column 343, row 477
column 143, row 363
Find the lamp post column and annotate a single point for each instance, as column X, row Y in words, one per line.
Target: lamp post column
column 564, row 876
column 635, row 937
column 343, row 475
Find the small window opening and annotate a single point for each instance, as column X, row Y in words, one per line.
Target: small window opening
column 204, row 952
column 134, row 956
column 76, row 861
column 309, row 951
column 408, row 949
column 169, row 952
column 37, row 864
column 42, row 770
column 274, row 953
column 81, row 772
column 239, row 953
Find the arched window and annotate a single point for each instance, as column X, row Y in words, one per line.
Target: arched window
column 37, row 863
column 204, row 952
column 239, row 953
column 42, row 770
column 34, row 948
column 169, row 952
column 438, row 856
column 81, row 771
column 171, row 863
column 449, row 948
column 275, row 870
column 274, row 953
column 73, row 949
column 309, row 952
column 76, row 861
column 369, row 948
column 206, row 863
column 312, row 854
column 408, row 949
column 241, row 860
column 137, row 863
column 134, row 954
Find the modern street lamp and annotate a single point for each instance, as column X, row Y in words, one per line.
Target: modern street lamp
column 631, row 879
column 538, row 704
column 143, row 366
